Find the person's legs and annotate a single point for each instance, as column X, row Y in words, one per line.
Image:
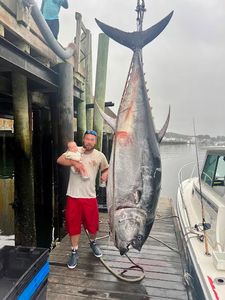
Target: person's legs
column 74, row 239
column 91, row 223
column 54, row 26
column 73, row 223
column 92, row 236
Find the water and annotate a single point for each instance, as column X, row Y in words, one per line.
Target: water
column 173, row 158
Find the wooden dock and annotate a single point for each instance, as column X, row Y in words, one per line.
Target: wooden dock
column 90, row 279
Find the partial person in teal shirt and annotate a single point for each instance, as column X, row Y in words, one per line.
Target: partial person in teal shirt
column 50, row 10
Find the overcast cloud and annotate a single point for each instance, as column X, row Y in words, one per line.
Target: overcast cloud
column 184, row 65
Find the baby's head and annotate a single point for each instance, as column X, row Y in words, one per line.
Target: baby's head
column 72, row 146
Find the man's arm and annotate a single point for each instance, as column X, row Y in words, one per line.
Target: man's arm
column 104, row 168
column 104, row 175
column 63, row 161
column 65, row 4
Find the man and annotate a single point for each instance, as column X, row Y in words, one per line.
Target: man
column 81, row 205
column 50, row 10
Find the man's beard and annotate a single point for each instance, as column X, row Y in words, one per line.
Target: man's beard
column 88, row 147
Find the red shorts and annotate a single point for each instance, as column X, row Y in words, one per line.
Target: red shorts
column 81, row 211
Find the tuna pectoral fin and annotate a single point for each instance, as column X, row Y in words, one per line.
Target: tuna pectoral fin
column 162, row 132
column 111, row 121
column 137, row 39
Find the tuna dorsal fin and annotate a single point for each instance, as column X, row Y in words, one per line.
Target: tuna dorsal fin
column 111, row 121
column 162, row 132
column 137, row 39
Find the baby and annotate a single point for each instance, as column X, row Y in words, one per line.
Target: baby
column 75, row 154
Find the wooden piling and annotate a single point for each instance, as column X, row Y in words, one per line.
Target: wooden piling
column 42, row 157
column 81, row 119
column 25, row 233
column 88, row 80
column 56, row 205
column 65, row 124
column 81, row 104
column 100, row 85
column 65, row 104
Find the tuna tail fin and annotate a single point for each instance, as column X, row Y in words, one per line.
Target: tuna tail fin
column 162, row 132
column 137, row 39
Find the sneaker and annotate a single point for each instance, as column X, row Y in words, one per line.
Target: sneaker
column 96, row 250
column 72, row 262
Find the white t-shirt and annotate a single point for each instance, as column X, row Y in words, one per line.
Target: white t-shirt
column 79, row 188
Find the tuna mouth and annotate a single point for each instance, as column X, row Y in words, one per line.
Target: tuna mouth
column 124, row 250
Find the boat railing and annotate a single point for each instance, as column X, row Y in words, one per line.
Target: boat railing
column 180, row 181
column 181, row 174
column 193, row 173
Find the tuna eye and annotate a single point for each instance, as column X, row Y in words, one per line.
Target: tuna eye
column 139, row 237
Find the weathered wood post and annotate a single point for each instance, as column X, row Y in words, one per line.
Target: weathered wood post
column 57, row 215
column 25, row 233
column 65, row 125
column 65, row 104
column 81, row 105
column 81, row 118
column 100, row 85
column 88, row 80
column 43, row 169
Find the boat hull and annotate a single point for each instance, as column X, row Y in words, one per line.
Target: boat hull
column 200, row 266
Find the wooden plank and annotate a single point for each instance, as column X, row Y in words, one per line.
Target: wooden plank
column 103, row 279
column 102, row 271
column 118, row 261
column 10, row 23
column 164, row 256
column 2, row 30
column 112, row 291
column 22, row 13
column 59, row 296
column 12, row 7
column 163, row 268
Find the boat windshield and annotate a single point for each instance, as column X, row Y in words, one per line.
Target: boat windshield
column 213, row 173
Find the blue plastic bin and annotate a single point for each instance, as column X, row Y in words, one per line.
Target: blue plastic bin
column 23, row 273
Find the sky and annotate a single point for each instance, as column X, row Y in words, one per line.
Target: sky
column 184, row 66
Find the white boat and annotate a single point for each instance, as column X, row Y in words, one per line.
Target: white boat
column 200, row 209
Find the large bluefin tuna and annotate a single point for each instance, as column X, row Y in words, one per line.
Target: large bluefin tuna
column 135, row 167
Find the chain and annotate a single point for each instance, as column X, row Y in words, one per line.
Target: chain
column 140, row 9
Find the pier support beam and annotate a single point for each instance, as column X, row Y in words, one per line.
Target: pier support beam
column 43, row 177
column 88, row 80
column 81, row 119
column 64, row 119
column 100, row 85
column 65, row 105
column 25, row 233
